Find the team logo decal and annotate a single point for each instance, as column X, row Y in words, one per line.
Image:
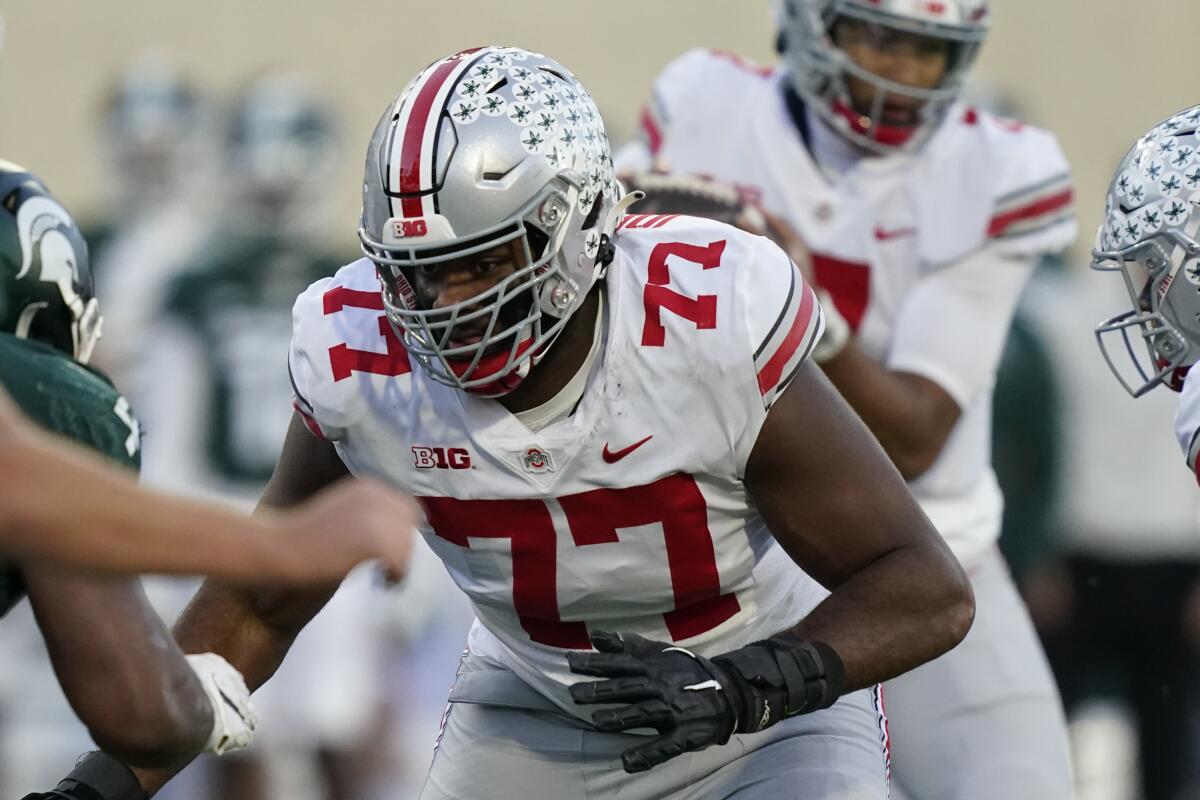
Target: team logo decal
column 525, row 92
column 1191, row 271
column 591, row 244
column 441, row 457
column 1175, row 212
column 1151, row 219
column 406, row 228
column 493, row 105
column 470, row 89
column 536, row 461
column 465, row 112
column 1170, row 185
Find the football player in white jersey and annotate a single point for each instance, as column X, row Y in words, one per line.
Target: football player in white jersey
column 1151, row 236
column 624, row 459
column 921, row 219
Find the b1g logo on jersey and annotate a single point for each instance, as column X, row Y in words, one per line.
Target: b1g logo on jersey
column 441, row 457
column 535, row 460
column 409, row 228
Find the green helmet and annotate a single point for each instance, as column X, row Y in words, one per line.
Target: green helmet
column 46, row 289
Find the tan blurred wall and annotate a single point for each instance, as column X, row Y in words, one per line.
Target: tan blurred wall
column 1097, row 72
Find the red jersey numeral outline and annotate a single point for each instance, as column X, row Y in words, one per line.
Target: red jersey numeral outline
column 344, row 360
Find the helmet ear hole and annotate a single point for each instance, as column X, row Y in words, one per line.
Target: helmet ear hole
column 593, row 215
column 51, row 326
column 538, row 242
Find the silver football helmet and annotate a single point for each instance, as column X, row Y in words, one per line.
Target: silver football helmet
column 485, row 147
column 818, row 67
column 1151, row 236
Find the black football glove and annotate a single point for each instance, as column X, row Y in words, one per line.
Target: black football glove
column 694, row 702
column 97, row 776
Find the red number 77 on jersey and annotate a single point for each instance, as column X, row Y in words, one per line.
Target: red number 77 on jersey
column 596, row 517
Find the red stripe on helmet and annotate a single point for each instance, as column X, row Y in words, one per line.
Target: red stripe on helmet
column 412, row 146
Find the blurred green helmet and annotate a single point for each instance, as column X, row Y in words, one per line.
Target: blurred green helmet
column 46, row 289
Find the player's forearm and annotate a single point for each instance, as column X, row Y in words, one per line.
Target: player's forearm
column 128, row 529
column 222, row 619
column 118, row 666
column 906, row 608
column 897, row 407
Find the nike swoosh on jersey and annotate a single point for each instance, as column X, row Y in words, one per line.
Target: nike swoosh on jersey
column 882, row 236
column 612, row 457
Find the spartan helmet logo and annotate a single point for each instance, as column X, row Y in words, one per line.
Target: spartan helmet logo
column 44, row 230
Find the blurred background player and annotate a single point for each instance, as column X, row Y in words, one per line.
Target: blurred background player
column 920, row 219
column 218, row 413
column 159, row 139
column 154, row 706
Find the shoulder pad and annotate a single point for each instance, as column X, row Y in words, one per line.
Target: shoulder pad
column 772, row 316
column 984, row 179
column 340, row 340
column 694, row 85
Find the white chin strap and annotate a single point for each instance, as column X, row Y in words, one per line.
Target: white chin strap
column 618, row 210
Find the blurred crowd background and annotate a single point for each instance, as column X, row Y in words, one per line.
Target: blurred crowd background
column 212, row 154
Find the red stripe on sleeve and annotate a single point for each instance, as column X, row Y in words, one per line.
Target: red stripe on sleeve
column 772, row 371
column 1035, row 209
column 650, row 128
column 309, row 422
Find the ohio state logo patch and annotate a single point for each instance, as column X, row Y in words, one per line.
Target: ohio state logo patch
column 536, row 461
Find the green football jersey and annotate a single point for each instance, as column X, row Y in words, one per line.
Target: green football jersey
column 236, row 300
column 72, row 400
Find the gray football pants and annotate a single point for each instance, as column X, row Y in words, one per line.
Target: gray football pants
column 502, row 740
column 984, row 721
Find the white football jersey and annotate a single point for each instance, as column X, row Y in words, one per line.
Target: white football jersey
column 630, row 514
column 924, row 254
column 1187, row 421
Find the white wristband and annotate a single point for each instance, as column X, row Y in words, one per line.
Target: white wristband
column 233, row 714
column 837, row 330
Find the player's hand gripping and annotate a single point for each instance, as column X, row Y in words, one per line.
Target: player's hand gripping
column 234, row 720
column 694, row 702
column 346, row 524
